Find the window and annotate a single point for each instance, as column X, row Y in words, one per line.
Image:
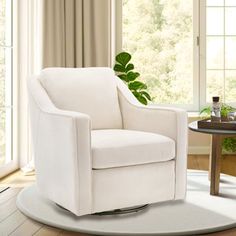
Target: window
column 184, row 50
column 6, row 158
column 219, row 46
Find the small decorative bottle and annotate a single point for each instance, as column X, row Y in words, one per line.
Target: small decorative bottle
column 216, row 108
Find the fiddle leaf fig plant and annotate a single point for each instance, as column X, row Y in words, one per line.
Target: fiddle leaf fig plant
column 125, row 71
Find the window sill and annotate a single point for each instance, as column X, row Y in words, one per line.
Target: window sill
column 193, row 114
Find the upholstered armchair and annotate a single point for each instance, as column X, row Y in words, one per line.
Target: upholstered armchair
column 97, row 148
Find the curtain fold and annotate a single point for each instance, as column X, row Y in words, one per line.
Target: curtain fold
column 76, row 33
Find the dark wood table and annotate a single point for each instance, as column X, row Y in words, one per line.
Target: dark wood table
column 215, row 155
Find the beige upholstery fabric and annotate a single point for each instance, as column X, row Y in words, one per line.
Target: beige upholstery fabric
column 90, row 91
column 58, row 134
column 116, row 188
column 171, row 122
column 117, row 148
column 140, row 167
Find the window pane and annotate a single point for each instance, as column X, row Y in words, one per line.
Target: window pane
column 2, row 77
column 215, row 20
column 230, row 53
column 2, row 137
column 230, row 86
column 5, row 23
column 230, row 19
column 215, row 52
column 215, row 84
column 159, row 36
column 215, row 2
column 5, row 136
column 5, row 81
column 2, row 21
column 229, row 2
column 5, row 76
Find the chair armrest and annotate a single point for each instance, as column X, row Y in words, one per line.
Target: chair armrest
column 171, row 122
column 62, row 152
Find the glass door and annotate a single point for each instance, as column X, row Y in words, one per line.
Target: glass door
column 7, row 162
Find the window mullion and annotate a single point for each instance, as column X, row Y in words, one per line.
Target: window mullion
column 196, row 55
column 224, row 54
column 202, row 63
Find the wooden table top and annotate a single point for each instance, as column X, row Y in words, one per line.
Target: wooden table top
column 194, row 127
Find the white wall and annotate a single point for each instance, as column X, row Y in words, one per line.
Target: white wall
column 198, row 143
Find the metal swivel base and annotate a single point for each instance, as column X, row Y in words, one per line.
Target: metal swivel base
column 127, row 210
column 122, row 211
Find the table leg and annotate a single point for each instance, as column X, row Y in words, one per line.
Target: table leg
column 210, row 154
column 215, row 164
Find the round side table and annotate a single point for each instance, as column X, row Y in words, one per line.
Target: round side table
column 215, row 155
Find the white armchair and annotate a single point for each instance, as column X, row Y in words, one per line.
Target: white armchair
column 97, row 149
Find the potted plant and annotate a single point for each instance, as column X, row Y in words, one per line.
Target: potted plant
column 125, row 71
column 229, row 144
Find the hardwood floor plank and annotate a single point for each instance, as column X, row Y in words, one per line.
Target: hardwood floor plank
column 7, row 208
column 17, row 180
column 230, row 232
column 12, row 222
column 198, row 162
column 48, row 231
column 9, row 193
column 201, row 162
column 67, row 233
column 28, row 228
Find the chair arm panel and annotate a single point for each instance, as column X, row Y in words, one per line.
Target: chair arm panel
column 62, row 153
column 171, row 122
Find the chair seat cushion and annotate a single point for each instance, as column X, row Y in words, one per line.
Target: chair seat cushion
column 119, row 147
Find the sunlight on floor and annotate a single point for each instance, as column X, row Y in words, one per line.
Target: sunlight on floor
column 17, row 180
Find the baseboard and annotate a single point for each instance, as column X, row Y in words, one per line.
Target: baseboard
column 199, row 150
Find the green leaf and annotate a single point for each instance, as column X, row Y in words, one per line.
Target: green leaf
column 125, row 73
column 129, row 67
column 143, row 100
column 137, row 85
column 145, row 94
column 225, row 109
column 229, row 145
column 206, row 111
column 132, row 75
column 119, row 68
column 123, row 58
column 123, row 77
column 140, row 98
column 136, row 94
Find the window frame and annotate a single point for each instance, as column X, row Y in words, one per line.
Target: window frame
column 10, row 108
column 199, row 54
column 194, row 107
column 203, row 54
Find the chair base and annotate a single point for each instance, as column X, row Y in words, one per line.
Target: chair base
column 127, row 210
column 122, row 211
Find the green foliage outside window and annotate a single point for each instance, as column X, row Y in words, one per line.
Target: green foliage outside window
column 159, row 36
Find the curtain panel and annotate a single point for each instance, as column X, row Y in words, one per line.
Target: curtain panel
column 76, row 33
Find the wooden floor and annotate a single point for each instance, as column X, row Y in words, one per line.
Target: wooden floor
column 201, row 162
column 14, row 223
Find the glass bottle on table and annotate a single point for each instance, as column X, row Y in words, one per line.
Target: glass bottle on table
column 216, row 109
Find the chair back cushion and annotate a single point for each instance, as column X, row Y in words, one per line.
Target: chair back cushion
column 88, row 90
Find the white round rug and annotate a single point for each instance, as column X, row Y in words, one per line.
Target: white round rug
column 199, row 213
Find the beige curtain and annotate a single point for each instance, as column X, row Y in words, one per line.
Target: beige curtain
column 76, row 33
